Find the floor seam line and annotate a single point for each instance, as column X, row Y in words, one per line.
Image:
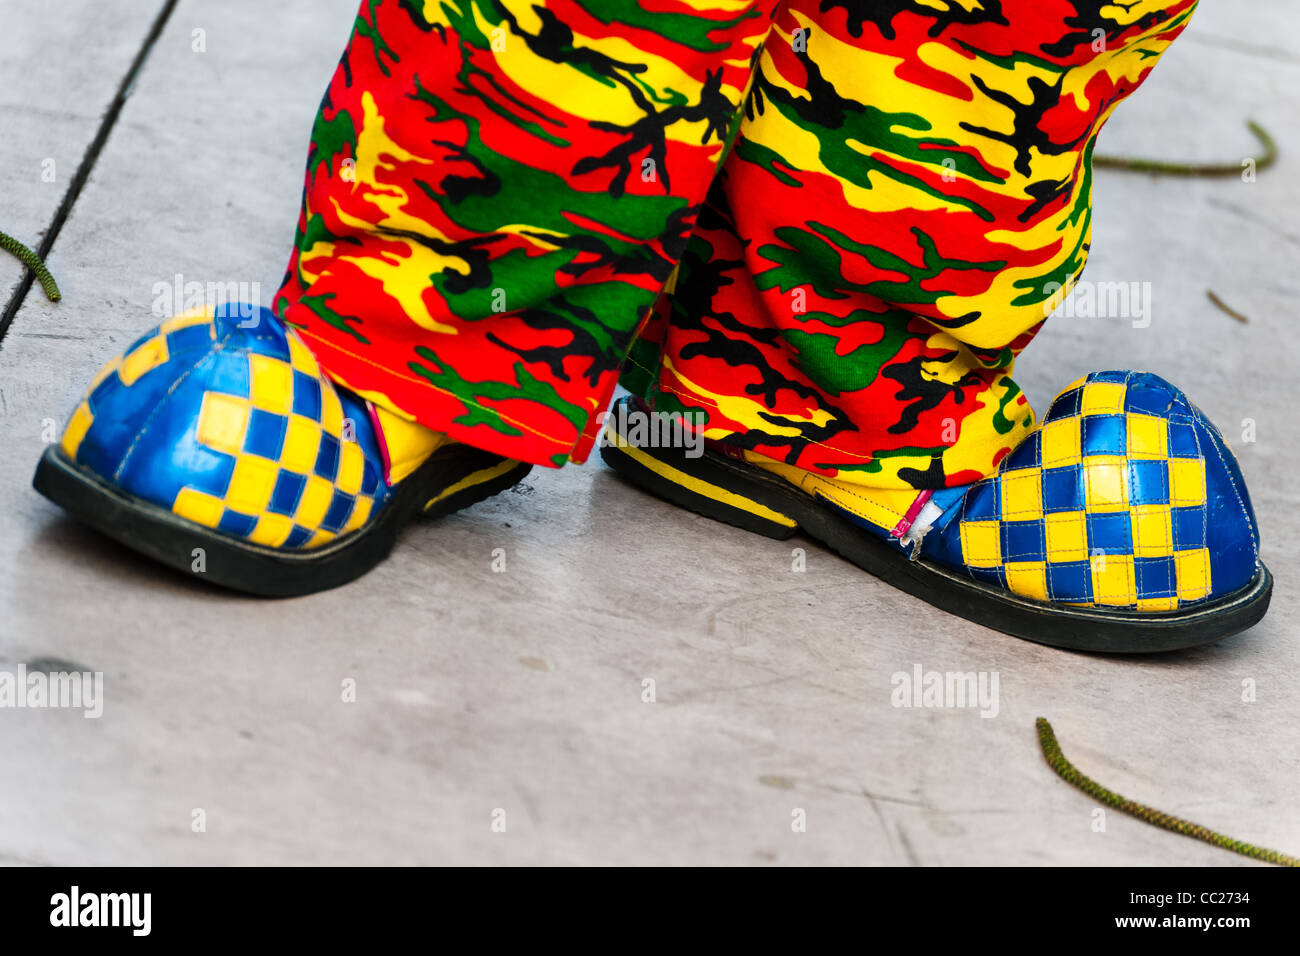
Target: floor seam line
column 106, row 124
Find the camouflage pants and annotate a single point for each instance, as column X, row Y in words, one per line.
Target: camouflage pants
column 825, row 228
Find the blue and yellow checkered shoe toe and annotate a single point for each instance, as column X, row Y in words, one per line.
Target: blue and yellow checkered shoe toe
column 1125, row 497
column 216, row 444
column 234, row 429
column 1125, row 501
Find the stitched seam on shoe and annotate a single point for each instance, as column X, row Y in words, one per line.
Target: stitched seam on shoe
column 861, row 497
column 144, row 427
column 1236, row 492
column 961, row 520
column 1205, row 507
column 808, row 476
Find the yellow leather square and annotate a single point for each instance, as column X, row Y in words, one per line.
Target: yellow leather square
column 1158, row 604
column 223, row 419
column 198, row 507
column 360, row 512
column 301, row 445
column 352, row 465
column 315, row 502
column 319, row 538
column 271, row 530
column 981, row 543
column 1105, row 484
column 1113, row 579
column 1067, row 536
column 1028, row 579
column 78, row 425
column 1186, row 481
column 1102, row 398
column 251, row 484
column 1022, row 494
column 1192, row 570
column 1148, row 436
column 331, row 413
column 147, row 356
column 300, row 356
column 271, row 384
column 1060, row 443
column 1152, row 533
column 200, row 316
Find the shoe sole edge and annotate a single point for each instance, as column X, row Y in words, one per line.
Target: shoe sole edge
column 171, row 540
column 1099, row 630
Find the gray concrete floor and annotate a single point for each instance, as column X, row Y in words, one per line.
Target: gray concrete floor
column 522, row 691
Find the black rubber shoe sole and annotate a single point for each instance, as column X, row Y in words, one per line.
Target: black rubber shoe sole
column 766, row 504
column 210, row 556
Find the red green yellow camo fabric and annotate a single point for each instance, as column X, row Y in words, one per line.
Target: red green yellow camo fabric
column 825, row 228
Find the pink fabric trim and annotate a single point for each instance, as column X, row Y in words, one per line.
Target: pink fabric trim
column 908, row 519
column 383, row 443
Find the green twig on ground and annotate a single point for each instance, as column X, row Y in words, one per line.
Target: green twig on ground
column 1169, row 168
column 1067, row 772
column 1210, row 294
column 32, row 261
